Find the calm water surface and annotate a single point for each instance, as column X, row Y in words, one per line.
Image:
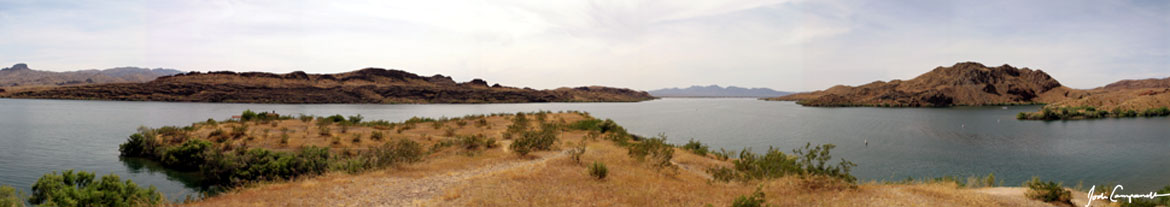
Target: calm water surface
column 41, row 136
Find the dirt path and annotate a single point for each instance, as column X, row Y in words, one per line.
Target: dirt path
column 399, row 191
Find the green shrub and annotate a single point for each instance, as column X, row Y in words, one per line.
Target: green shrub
column 336, row 118
column 535, row 140
column 1047, row 191
column 519, row 124
column 756, row 199
column 248, row 115
column 1156, row 112
column 723, row 154
column 376, row 136
column 598, row 170
column 401, row 151
column 261, row 164
column 724, row 174
column 587, row 124
column 284, row 138
column 472, row 142
column 696, row 147
column 356, row 119
column 814, row 161
column 138, row 145
column 80, row 189
column 654, row 150
column 9, row 197
column 989, row 181
column 775, row 164
column 490, row 143
column 357, row 138
column 187, row 156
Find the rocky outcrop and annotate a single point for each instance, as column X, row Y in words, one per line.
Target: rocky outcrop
column 963, row 84
column 370, row 85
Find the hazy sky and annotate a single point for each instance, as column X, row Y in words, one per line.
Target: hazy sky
column 785, row 45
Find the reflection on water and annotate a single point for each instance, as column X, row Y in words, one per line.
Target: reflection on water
column 190, row 180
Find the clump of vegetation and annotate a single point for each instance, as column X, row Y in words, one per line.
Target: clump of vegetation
column 1159, row 201
column 475, row 142
column 723, row 154
column 1048, row 191
column 80, row 189
column 229, row 164
column 654, row 150
column 9, row 197
column 814, row 161
column 519, row 124
column 696, row 147
column 357, row 138
column 598, row 170
column 284, row 138
column 756, row 199
column 356, row 119
column 1089, row 112
column 377, row 136
column 535, row 140
column 587, row 124
column 239, row 131
column 809, row 161
column 482, row 122
column 387, row 155
column 187, row 156
column 576, row 153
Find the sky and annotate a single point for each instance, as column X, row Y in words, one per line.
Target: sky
column 790, row 45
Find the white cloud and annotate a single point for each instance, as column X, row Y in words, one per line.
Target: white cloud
column 787, row 45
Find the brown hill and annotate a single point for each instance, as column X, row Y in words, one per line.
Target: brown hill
column 371, row 85
column 20, row 75
column 1126, row 98
column 963, row 84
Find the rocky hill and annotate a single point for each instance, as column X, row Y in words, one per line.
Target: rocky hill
column 371, row 85
column 963, row 84
column 717, row 91
column 20, row 75
column 1126, row 98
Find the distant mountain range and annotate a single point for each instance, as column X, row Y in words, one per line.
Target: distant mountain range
column 21, row 75
column 370, row 85
column 717, row 91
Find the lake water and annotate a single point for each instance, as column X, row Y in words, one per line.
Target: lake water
column 41, row 136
